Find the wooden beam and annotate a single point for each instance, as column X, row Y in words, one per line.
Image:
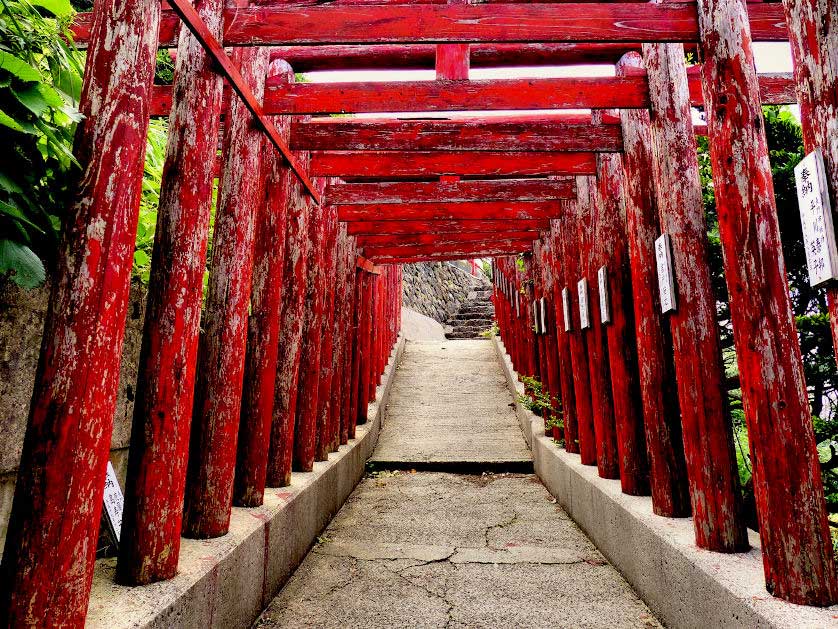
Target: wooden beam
column 395, row 164
column 449, row 238
column 470, row 210
column 215, row 51
column 509, row 94
column 629, row 22
column 369, row 228
column 386, row 255
column 495, row 94
column 523, row 134
column 384, row 193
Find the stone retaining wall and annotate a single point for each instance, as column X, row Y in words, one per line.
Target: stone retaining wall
column 22, row 315
column 436, row 289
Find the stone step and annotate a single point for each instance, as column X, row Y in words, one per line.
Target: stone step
column 465, row 316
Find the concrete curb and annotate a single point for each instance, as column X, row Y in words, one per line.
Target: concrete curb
column 683, row 585
column 228, row 581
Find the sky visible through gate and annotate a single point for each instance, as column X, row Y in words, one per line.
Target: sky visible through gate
column 770, row 57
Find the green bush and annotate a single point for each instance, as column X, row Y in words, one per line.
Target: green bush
column 40, row 84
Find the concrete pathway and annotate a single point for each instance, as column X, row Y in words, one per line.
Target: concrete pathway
column 444, row 550
column 433, row 549
column 449, row 409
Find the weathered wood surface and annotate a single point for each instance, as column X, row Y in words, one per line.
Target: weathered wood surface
column 305, row 424
column 47, row 566
column 450, row 238
column 547, row 133
column 393, row 164
column 328, row 288
column 263, row 324
column 157, row 462
column 658, row 390
column 224, row 321
column 593, row 249
column 565, row 364
column 577, row 339
column 500, row 94
column 295, row 272
column 376, row 228
column 711, row 464
column 452, row 61
column 496, row 23
column 814, row 40
column 405, row 193
column 474, row 250
column 240, row 85
column 620, row 332
column 464, row 210
column 797, row 552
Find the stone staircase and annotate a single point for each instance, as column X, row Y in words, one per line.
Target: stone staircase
column 474, row 316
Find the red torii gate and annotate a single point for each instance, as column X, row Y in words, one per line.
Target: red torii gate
column 635, row 178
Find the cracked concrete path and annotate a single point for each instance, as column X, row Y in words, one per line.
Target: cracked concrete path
column 445, row 550
column 450, row 408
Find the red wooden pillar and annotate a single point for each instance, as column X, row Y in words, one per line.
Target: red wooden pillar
column 295, row 269
column 568, row 395
column 622, row 347
column 157, row 461
column 813, row 36
column 305, row 426
column 327, row 339
column 550, row 331
column 263, row 324
column 796, row 547
column 357, row 345
column 365, row 329
column 375, row 322
column 337, row 407
column 577, row 339
column 715, row 493
column 218, row 391
column 47, row 566
column 658, row 392
column 590, row 233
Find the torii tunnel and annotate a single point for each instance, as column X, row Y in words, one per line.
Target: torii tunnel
column 316, row 215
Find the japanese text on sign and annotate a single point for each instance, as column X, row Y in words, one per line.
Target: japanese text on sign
column 816, row 219
column 584, row 314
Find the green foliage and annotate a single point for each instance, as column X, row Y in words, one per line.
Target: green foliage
column 40, row 84
column 785, row 144
column 164, row 71
column 535, row 398
column 493, row 331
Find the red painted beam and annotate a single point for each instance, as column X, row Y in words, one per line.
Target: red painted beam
column 470, row 210
column 544, row 133
column 495, row 94
column 393, row 164
column 547, row 94
column 390, row 193
column 371, row 228
column 231, row 72
column 407, row 240
column 366, row 265
column 503, row 22
column 476, row 249
column 440, row 257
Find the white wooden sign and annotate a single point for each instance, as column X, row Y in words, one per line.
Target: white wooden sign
column 584, row 313
column 543, row 304
column 666, row 278
column 535, row 322
column 816, row 219
column 604, row 295
column 114, row 503
column 568, row 321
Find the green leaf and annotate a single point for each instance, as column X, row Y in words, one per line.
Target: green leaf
column 20, row 261
column 31, row 98
column 7, row 184
column 18, row 67
column 16, row 214
column 141, row 258
column 7, row 121
column 59, row 8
